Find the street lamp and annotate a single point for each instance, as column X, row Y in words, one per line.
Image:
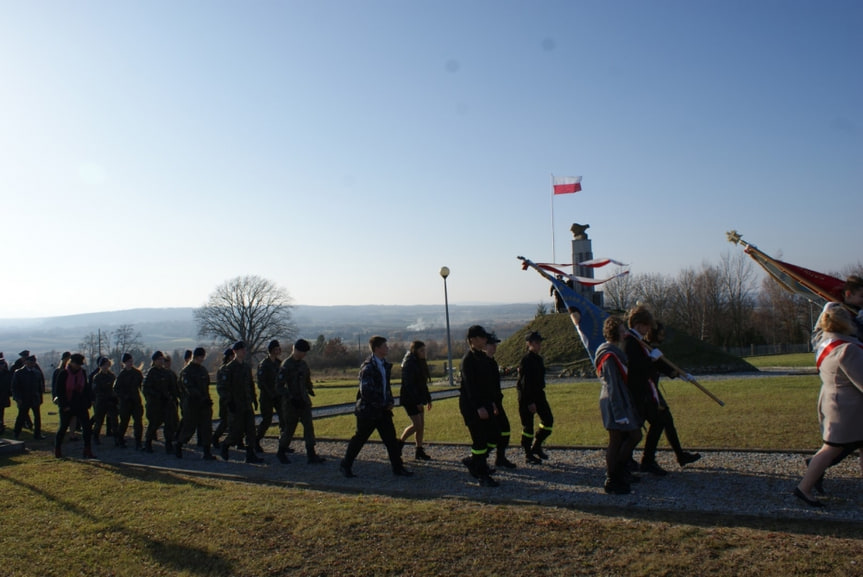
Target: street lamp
column 444, row 272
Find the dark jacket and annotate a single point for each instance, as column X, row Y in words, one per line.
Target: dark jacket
column 103, row 386
column 5, row 387
column 159, row 384
column 128, row 384
column 373, row 397
column 268, row 371
column 82, row 400
column 531, row 378
column 28, row 385
column 640, row 369
column 195, row 385
column 415, row 389
column 238, row 386
column 477, row 384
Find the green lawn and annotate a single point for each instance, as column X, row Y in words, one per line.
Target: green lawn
column 794, row 360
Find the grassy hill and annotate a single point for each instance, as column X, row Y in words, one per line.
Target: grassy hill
column 563, row 349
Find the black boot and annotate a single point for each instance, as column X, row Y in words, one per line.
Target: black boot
column 225, row 451
column 420, row 455
column 148, row 447
column 169, row 447
column 312, row 458
column 251, row 457
column 178, row 450
column 282, row 456
column 529, row 457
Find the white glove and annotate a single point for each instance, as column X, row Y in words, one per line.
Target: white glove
column 688, row 377
column 655, row 354
column 623, row 421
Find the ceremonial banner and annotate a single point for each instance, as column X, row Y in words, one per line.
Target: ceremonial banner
column 566, row 184
column 589, row 326
column 814, row 286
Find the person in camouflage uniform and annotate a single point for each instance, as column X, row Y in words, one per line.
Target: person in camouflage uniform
column 128, row 389
column 268, row 370
column 105, row 400
column 221, row 381
column 239, row 388
column 197, row 405
column 159, row 387
column 294, row 386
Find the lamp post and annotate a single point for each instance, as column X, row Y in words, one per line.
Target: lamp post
column 444, row 272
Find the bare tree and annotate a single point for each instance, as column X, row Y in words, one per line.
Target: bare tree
column 247, row 308
column 619, row 291
column 125, row 339
column 655, row 290
column 93, row 345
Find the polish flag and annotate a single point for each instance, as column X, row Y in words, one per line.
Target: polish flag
column 566, row 184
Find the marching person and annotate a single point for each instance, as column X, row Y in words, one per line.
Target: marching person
column 619, row 416
column 5, row 391
column 221, row 383
column 268, row 370
column 840, row 402
column 477, row 396
column 74, row 398
column 294, row 389
column 658, row 415
column 128, row 389
column 374, row 410
column 501, row 419
column 414, row 396
column 105, row 401
column 197, row 405
column 28, row 386
column 532, row 401
column 172, row 409
column 159, row 387
column 239, row 390
column 641, row 369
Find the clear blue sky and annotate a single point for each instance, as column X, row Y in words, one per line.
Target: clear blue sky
column 347, row 150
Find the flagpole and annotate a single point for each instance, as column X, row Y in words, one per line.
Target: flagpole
column 553, row 253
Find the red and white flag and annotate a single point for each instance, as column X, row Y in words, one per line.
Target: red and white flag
column 566, row 184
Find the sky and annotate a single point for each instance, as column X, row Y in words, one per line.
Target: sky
column 150, row 151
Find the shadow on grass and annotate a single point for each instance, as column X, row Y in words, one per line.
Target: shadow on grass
column 177, row 556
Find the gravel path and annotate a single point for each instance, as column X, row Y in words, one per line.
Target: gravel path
column 758, row 484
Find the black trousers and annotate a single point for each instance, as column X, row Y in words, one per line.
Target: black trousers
column 241, row 423
column 386, row 430
column 83, row 416
column 24, row 409
column 269, row 406
column 660, row 420
column 293, row 416
column 503, row 430
column 197, row 418
column 620, row 446
column 546, row 420
column 131, row 408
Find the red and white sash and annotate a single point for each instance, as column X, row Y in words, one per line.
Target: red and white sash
column 827, row 346
column 620, row 366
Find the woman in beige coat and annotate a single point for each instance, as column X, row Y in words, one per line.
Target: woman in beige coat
column 840, row 405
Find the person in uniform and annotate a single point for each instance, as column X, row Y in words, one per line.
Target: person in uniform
column 268, row 370
column 28, row 386
column 159, row 386
column 240, row 394
column 221, row 382
column 532, row 401
column 172, row 408
column 478, row 406
column 294, row 389
column 374, row 410
column 197, row 405
column 74, row 398
column 414, row 396
column 128, row 389
column 105, row 400
column 502, row 421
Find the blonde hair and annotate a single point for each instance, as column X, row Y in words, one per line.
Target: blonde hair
column 836, row 319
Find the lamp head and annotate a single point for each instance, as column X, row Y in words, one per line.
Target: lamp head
column 444, row 271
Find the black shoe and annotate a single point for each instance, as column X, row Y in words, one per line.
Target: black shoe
column 537, row 451
column 811, row 502
column 216, row 443
column 532, row 459
column 346, row 471
column 225, row 451
column 208, row 456
column 617, row 487
column 505, row 463
column 420, row 455
column 241, row 446
column 148, row 448
column 39, row 437
column 487, row 481
column 178, row 450
column 253, row 459
column 686, row 458
column 653, row 468
column 471, row 467
column 121, row 443
column 259, row 448
column 314, row 459
column 289, row 450
column 402, row 472
column 632, row 465
column 282, row 457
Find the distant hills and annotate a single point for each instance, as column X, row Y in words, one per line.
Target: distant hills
column 170, row 328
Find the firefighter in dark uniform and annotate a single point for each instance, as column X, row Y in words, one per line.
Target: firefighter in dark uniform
column 478, row 406
column 128, row 389
column 240, row 393
column 268, row 370
column 221, row 382
column 159, row 386
column 197, row 405
column 532, row 401
column 294, row 386
column 105, row 400
column 503, row 427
